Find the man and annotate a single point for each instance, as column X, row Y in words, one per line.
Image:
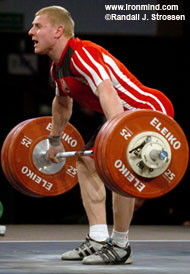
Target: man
column 89, row 74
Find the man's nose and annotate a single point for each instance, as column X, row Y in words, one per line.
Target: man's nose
column 30, row 32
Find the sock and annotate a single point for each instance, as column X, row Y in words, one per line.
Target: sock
column 121, row 238
column 99, row 232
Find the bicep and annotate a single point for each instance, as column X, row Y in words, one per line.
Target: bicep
column 109, row 99
column 105, row 88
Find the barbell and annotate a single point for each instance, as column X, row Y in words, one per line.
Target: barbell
column 141, row 153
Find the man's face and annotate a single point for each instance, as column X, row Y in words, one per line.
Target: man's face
column 43, row 34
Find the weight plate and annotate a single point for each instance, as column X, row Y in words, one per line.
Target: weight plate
column 115, row 150
column 24, row 169
column 6, row 166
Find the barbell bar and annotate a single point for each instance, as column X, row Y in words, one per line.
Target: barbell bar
column 67, row 154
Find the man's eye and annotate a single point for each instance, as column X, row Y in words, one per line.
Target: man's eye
column 38, row 26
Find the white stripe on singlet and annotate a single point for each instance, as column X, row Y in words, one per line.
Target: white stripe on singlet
column 100, row 68
column 92, row 72
column 108, row 60
column 93, row 87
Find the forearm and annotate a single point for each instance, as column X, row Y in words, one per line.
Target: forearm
column 61, row 113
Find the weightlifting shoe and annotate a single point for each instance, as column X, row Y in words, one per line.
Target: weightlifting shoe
column 110, row 253
column 88, row 247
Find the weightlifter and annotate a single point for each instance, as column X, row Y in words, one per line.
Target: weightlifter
column 88, row 73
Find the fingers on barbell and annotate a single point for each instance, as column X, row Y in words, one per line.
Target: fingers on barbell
column 52, row 153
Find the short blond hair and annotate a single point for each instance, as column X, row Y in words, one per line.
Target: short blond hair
column 59, row 16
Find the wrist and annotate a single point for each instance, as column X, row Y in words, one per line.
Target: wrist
column 54, row 140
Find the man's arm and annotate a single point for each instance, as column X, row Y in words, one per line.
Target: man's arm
column 61, row 113
column 109, row 99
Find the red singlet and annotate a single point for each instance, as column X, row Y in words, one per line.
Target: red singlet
column 84, row 65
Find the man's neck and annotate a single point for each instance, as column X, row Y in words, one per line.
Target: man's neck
column 57, row 51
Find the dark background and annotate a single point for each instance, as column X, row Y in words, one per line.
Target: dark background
column 160, row 61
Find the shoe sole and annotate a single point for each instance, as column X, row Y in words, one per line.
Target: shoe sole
column 128, row 261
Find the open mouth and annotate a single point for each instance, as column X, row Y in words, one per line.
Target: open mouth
column 35, row 42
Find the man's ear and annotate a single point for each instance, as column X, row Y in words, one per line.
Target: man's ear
column 59, row 31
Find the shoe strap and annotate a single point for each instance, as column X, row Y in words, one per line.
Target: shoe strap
column 110, row 255
column 86, row 248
